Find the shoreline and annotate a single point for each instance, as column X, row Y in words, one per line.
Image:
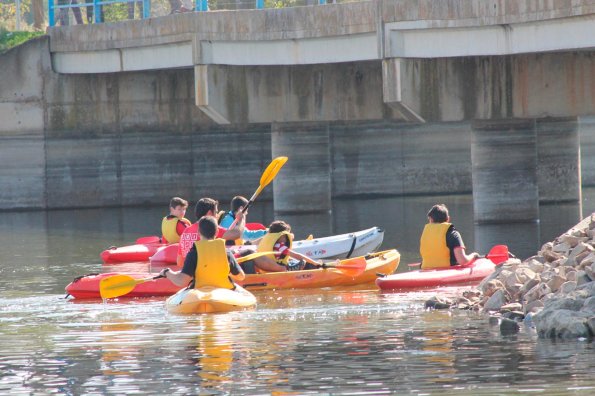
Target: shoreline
column 552, row 291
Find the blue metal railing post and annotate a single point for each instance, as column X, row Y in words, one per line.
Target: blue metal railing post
column 146, row 9
column 201, row 5
column 96, row 12
column 51, row 16
column 260, row 4
column 321, row 1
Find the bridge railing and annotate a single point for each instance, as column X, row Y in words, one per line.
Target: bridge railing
column 96, row 11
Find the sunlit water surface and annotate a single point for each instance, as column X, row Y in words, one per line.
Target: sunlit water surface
column 332, row 341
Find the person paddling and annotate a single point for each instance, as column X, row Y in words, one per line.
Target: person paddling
column 208, row 263
column 207, row 207
column 278, row 240
column 226, row 220
column 174, row 224
column 441, row 245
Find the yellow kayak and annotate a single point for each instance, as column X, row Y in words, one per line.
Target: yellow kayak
column 210, row 299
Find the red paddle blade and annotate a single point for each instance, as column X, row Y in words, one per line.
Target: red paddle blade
column 498, row 254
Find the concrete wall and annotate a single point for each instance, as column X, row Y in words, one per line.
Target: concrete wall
column 134, row 138
column 22, row 116
column 111, row 140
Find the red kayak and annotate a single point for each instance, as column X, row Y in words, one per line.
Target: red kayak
column 456, row 275
column 146, row 247
column 88, row 286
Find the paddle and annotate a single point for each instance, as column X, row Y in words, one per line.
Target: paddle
column 497, row 255
column 267, row 176
column 119, row 285
column 351, row 267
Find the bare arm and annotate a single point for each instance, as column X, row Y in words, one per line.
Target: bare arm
column 178, row 278
column 299, row 256
column 236, row 231
column 463, row 258
column 266, row 263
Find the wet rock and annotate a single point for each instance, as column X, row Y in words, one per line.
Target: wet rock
column 561, row 324
column 591, row 325
column 509, row 326
column 514, row 315
column 494, row 320
column 438, row 303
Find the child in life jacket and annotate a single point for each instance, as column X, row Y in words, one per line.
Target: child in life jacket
column 174, row 224
column 278, row 240
column 208, row 263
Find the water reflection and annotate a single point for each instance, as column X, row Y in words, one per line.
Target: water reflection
column 335, row 341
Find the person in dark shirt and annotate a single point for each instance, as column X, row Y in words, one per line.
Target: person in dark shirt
column 441, row 245
column 207, row 263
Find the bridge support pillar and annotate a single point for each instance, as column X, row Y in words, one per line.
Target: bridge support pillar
column 304, row 183
column 558, row 160
column 504, row 171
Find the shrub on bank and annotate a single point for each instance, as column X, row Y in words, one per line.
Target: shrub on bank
column 9, row 40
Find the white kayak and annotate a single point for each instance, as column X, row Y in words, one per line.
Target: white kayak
column 210, row 300
column 342, row 246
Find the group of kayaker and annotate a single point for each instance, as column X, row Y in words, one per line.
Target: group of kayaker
column 202, row 253
column 203, row 246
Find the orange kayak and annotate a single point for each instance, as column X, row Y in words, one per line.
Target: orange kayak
column 380, row 262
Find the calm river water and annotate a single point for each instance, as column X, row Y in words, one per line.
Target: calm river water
column 330, row 341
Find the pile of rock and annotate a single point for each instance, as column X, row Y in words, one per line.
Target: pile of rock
column 553, row 290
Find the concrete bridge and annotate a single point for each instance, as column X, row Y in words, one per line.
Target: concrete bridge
column 368, row 98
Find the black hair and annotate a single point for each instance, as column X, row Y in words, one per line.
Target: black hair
column 279, row 226
column 207, row 226
column 438, row 213
column 177, row 201
column 203, row 206
column 237, row 202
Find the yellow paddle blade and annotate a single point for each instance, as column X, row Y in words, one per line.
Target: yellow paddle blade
column 271, row 171
column 252, row 256
column 119, row 285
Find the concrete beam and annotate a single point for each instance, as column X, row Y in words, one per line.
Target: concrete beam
column 394, row 92
column 336, row 49
column 302, row 93
column 174, row 55
column 421, row 39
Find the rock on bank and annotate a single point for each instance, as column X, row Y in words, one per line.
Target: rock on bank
column 555, row 289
